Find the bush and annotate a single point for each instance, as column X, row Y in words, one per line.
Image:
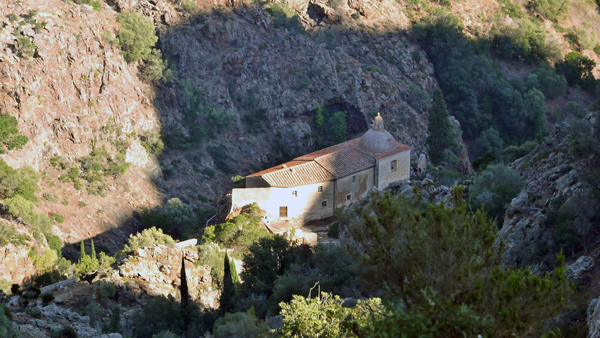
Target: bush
column 265, row 261
column 545, row 78
column 551, row 9
column 434, row 272
column 136, row 36
column 54, row 243
column 147, row 238
column 238, row 232
column 25, row 209
column 493, row 188
column 43, row 261
column 285, row 17
column 513, row 152
column 7, row 328
column 577, row 69
column 239, row 324
column 47, row 298
column 154, row 219
column 25, row 46
column 22, row 182
column 106, row 291
column 166, row 314
column 8, row 235
column 212, row 256
column 57, row 218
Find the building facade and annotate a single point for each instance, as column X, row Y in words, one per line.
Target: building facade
column 311, row 186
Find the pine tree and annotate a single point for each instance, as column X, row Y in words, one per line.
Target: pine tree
column 441, row 132
column 82, row 251
column 226, row 301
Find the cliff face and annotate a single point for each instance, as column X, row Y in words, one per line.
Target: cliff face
column 78, row 101
column 558, row 206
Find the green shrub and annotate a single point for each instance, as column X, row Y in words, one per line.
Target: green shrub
column 54, row 243
column 545, row 78
column 57, row 218
column 551, row 9
column 96, row 5
column 25, row 209
column 266, row 260
column 511, row 9
column 147, row 238
column 190, row 6
column 22, row 182
column 580, row 38
column 136, row 36
column 513, row 152
column 238, row 232
column 152, row 142
column 9, row 134
column 7, row 328
column 220, row 157
column 577, row 69
column 212, row 256
column 12, row 17
column 86, row 263
column 493, row 188
column 8, row 235
column 47, row 298
column 65, row 332
column 25, row 46
column 81, row 204
column 285, row 17
column 384, row 225
column 106, row 291
column 154, row 219
column 43, row 261
column 239, row 324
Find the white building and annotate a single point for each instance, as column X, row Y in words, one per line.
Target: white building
column 311, row 186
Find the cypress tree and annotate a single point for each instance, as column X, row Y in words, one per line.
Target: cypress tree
column 226, row 301
column 441, row 132
column 93, row 251
column 82, row 252
column 185, row 297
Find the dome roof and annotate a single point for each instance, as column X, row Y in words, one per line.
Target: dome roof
column 377, row 139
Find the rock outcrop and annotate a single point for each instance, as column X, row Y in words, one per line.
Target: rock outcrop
column 557, row 184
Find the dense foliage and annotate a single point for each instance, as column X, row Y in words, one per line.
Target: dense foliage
column 410, row 251
column 476, row 93
column 9, row 134
column 136, row 36
column 442, row 135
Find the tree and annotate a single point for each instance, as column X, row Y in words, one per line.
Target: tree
column 185, row 297
column 442, row 135
column 418, row 254
column 267, row 259
column 136, row 36
column 489, row 140
column 493, row 188
column 577, row 68
column 226, row 301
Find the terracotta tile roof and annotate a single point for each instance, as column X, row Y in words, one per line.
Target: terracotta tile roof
column 324, row 165
column 304, row 173
column 345, row 162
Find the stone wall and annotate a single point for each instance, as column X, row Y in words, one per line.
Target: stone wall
column 402, row 171
column 356, row 185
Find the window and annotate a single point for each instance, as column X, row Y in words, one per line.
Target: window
column 324, row 204
column 393, row 165
column 295, row 193
column 282, row 211
column 320, row 188
column 348, row 197
column 353, row 179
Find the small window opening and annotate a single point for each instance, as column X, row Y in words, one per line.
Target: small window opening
column 283, row 212
column 393, row 165
column 324, row 204
column 320, row 188
column 348, row 197
column 353, row 179
column 295, row 193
